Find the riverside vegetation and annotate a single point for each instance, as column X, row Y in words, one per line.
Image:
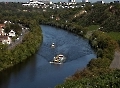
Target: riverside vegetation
column 30, row 42
column 99, row 23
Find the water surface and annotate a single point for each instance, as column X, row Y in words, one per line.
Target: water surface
column 37, row 72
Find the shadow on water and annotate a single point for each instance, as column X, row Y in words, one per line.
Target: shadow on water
column 6, row 74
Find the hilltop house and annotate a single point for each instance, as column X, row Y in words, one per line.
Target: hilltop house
column 2, row 29
column 4, row 38
column 12, row 33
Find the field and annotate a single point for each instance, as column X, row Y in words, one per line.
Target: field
column 114, row 35
column 93, row 27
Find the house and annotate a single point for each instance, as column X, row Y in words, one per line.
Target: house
column 2, row 29
column 12, row 33
column 36, row 2
column 5, row 39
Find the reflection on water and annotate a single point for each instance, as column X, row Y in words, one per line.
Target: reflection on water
column 38, row 72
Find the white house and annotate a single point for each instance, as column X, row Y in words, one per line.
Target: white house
column 36, row 2
column 71, row 0
column 12, row 33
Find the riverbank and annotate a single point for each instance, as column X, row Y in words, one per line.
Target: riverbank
column 115, row 64
column 99, row 68
column 27, row 46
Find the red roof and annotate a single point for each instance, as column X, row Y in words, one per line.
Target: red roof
column 2, row 25
column 3, row 38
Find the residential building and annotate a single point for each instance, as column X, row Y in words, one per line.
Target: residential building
column 44, row 1
column 36, row 2
column 12, row 33
column 4, row 38
column 2, row 29
column 71, row 1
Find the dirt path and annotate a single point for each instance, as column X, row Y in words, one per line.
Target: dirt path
column 116, row 61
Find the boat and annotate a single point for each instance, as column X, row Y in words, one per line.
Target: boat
column 53, row 45
column 59, row 59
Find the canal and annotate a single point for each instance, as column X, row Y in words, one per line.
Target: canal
column 37, row 72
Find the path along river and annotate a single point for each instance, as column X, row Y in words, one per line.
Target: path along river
column 37, row 72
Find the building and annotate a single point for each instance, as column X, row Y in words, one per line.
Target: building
column 84, row 1
column 71, row 1
column 12, row 33
column 2, row 29
column 36, row 2
column 44, row 1
column 40, row 1
column 4, row 38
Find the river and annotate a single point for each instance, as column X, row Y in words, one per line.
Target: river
column 37, row 72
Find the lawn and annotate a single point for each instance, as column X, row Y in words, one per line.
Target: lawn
column 93, row 27
column 114, row 35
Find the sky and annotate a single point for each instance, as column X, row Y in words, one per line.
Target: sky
column 58, row 0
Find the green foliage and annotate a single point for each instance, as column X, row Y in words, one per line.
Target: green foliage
column 103, row 44
column 7, row 29
column 109, row 80
column 97, row 74
column 99, row 63
column 93, row 27
column 114, row 35
column 15, row 27
column 31, row 42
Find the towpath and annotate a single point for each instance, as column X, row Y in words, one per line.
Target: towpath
column 116, row 61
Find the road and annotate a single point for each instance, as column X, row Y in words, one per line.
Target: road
column 116, row 61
